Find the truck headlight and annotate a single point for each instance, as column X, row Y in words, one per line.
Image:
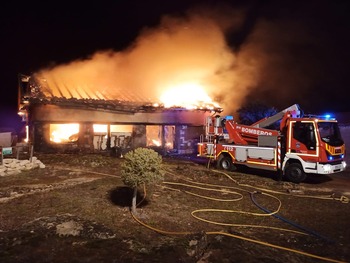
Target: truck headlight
column 344, row 164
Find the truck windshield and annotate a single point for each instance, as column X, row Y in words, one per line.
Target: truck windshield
column 330, row 133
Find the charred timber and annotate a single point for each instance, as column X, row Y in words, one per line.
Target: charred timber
column 109, row 105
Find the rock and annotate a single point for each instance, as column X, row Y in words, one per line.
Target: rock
column 69, row 228
column 13, row 166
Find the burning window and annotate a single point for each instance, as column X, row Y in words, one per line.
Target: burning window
column 120, row 136
column 154, row 134
column 63, row 133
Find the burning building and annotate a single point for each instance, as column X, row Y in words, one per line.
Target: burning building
column 62, row 118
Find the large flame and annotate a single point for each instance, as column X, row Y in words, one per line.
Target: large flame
column 180, row 63
column 60, row 133
column 187, row 95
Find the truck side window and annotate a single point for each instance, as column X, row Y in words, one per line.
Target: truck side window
column 304, row 133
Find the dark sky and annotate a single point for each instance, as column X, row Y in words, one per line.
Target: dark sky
column 285, row 52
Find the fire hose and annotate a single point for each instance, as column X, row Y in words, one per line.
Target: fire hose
column 342, row 199
column 311, row 232
column 274, row 213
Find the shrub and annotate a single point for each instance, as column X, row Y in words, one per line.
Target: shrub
column 141, row 166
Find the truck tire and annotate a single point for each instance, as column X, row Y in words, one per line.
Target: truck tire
column 295, row 173
column 225, row 163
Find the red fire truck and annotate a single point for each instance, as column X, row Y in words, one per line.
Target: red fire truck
column 303, row 145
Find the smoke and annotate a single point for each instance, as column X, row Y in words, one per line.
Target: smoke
column 285, row 71
column 195, row 48
column 289, row 55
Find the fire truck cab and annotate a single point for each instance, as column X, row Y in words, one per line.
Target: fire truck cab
column 303, row 145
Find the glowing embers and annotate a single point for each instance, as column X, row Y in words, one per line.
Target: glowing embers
column 187, row 95
column 64, row 133
column 155, row 134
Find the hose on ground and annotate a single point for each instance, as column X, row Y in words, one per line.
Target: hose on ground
column 309, row 231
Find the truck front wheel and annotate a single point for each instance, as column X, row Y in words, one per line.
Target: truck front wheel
column 225, row 163
column 295, row 173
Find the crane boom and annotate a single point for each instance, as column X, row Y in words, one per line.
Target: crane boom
column 294, row 110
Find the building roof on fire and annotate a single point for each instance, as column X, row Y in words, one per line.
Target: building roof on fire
column 33, row 91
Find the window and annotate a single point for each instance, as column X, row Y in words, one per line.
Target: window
column 304, row 133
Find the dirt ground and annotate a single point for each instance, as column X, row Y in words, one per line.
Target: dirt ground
column 76, row 209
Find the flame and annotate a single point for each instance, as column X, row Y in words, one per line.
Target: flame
column 100, row 128
column 156, row 142
column 187, row 95
column 27, row 134
column 64, row 132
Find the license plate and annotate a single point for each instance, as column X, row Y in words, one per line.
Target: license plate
column 337, row 167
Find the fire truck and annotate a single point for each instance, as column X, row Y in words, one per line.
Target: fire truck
column 302, row 146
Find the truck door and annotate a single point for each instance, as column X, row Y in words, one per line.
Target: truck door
column 303, row 138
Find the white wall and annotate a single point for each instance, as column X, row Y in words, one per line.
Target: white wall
column 345, row 132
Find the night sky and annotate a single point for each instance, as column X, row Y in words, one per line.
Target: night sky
column 281, row 52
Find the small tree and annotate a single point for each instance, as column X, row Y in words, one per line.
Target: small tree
column 141, row 166
column 255, row 111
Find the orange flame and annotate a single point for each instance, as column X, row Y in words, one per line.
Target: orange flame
column 63, row 132
column 188, row 95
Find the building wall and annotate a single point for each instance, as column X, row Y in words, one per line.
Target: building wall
column 139, row 136
column 54, row 113
column 188, row 127
column 343, row 119
column 187, row 138
column 345, row 131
